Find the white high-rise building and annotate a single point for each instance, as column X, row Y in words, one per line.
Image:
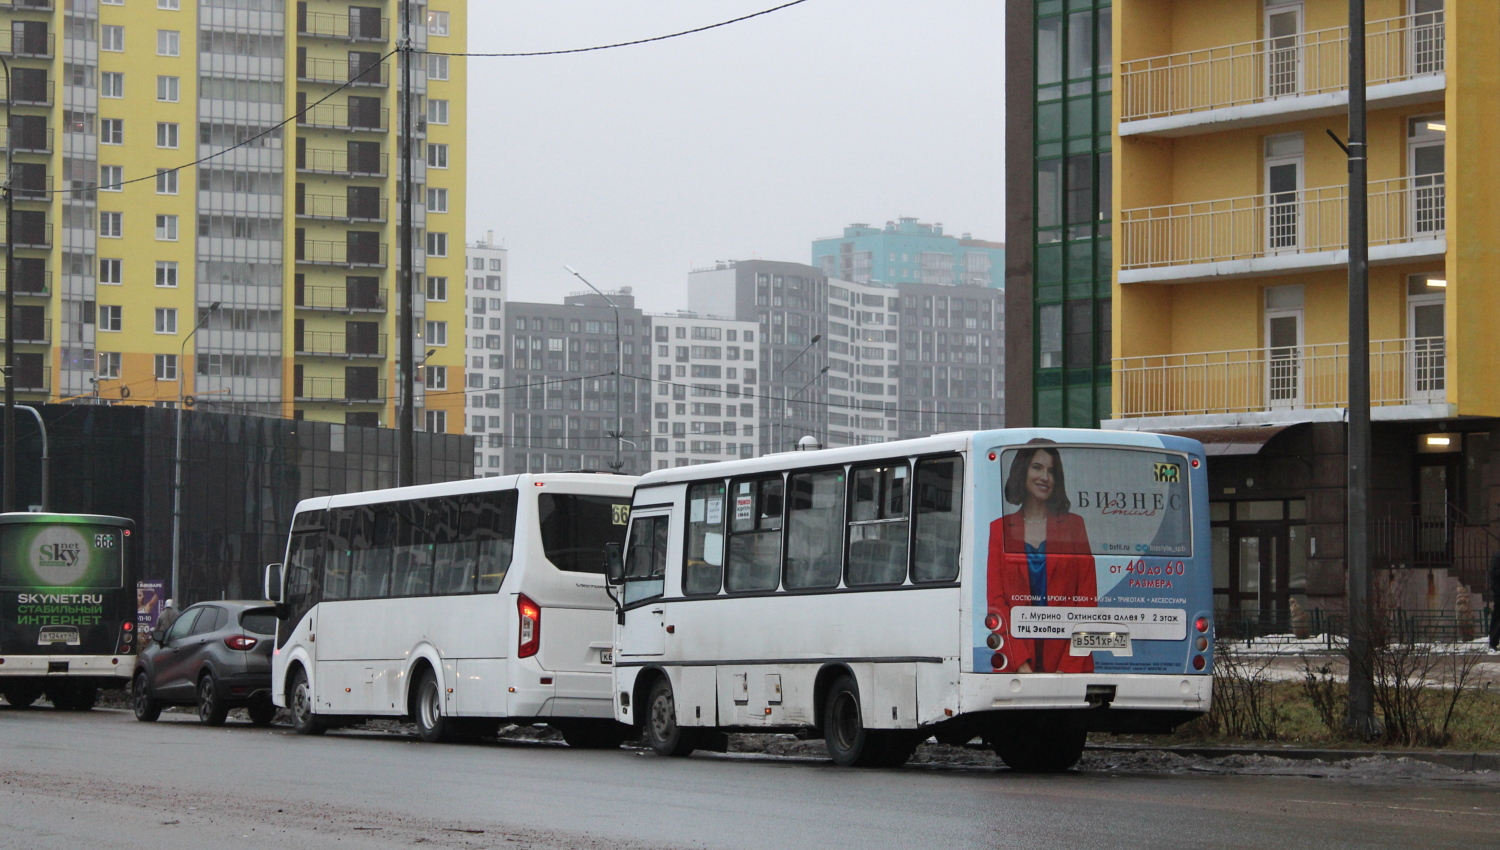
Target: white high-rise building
column 484, row 310
column 708, row 378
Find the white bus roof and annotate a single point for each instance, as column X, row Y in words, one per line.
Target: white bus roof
column 468, row 485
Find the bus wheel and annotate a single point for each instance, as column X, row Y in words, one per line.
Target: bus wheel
column 304, row 721
column 663, row 734
column 432, row 725
column 849, row 743
column 146, row 709
column 22, row 695
column 1048, row 744
column 592, row 735
column 70, row 697
column 211, row 708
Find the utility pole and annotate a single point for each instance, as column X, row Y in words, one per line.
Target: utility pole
column 1361, row 708
column 618, row 464
column 8, row 496
column 406, row 323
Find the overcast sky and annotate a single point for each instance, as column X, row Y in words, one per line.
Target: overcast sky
column 639, row 164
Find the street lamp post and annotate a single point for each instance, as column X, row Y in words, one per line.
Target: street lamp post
column 177, row 453
column 406, row 414
column 821, row 372
column 8, row 491
column 619, row 361
column 776, row 443
column 46, row 457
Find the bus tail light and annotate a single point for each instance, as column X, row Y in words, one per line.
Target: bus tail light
column 992, row 622
column 1201, row 624
column 240, row 642
column 530, row 615
column 1199, row 662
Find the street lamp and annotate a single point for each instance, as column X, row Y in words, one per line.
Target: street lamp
column 177, row 453
column 8, row 491
column 776, row 444
column 619, row 360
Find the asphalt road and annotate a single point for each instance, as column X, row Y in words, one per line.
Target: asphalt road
column 102, row 779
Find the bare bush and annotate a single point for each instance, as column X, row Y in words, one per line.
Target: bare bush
column 1327, row 691
column 1245, row 704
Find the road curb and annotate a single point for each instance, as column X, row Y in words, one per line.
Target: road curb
column 1454, row 760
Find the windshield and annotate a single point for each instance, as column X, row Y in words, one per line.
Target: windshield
column 575, row 529
column 61, row 555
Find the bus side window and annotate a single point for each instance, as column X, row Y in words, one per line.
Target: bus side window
column 815, row 512
column 754, row 535
column 646, row 558
column 339, row 554
column 703, row 556
column 877, row 525
column 938, row 514
column 411, row 559
column 370, row 574
column 452, row 547
column 495, row 536
column 302, row 567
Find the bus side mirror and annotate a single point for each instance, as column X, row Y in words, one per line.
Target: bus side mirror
column 614, row 563
column 273, row 582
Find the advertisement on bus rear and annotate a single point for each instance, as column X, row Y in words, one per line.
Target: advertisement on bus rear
column 1090, row 557
column 61, row 586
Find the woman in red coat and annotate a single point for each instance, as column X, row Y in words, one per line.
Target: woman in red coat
column 1039, row 556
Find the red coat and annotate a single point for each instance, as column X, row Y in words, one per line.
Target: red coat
column 1071, row 583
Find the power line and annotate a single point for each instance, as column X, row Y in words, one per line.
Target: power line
column 622, row 43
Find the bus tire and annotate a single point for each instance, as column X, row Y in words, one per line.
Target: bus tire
column 849, row 743
column 1048, row 744
column 663, row 735
column 592, row 734
column 433, row 726
column 300, row 702
column 70, row 697
column 211, row 708
column 146, row 709
column 22, row 695
column 262, row 711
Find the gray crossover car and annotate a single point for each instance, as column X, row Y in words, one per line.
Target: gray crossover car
column 217, row 655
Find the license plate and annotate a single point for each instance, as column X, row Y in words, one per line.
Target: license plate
column 1101, row 640
column 606, row 656
column 58, row 634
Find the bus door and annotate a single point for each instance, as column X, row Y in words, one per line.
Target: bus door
column 644, row 632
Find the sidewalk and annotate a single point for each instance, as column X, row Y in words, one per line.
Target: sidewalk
column 1467, row 761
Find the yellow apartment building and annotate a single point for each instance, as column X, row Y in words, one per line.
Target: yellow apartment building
column 1230, row 319
column 207, row 205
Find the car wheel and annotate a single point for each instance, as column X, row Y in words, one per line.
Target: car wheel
column 22, row 696
column 663, row 734
column 262, row 711
column 300, row 700
column 211, row 707
column 147, row 710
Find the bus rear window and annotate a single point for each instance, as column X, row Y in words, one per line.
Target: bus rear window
column 576, row 528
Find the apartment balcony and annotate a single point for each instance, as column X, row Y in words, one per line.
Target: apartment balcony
column 341, row 207
column 335, row 116
column 340, row 344
column 31, row 285
column 339, row 72
column 339, row 162
column 354, row 26
column 29, row 140
column 37, row 43
column 340, row 389
column 29, row 333
column 1280, row 232
column 26, row 5
column 30, row 236
column 343, row 299
column 30, row 187
column 1279, row 386
column 1283, row 78
column 39, row 93
column 329, row 253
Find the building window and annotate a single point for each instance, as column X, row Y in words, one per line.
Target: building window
column 166, row 134
column 437, row 421
column 437, row 201
column 110, row 270
column 437, row 156
column 109, row 364
column 111, row 177
column 437, row 67
column 437, row 22
column 1049, row 337
column 111, row 84
column 437, row 333
column 111, row 224
column 112, row 131
column 437, row 289
column 168, row 43
column 437, row 244
column 168, row 89
column 166, row 181
column 166, row 273
column 112, row 38
column 172, row 5
column 166, row 320
column 166, row 367
column 437, row 111
column 166, row 228
column 435, row 377
column 111, row 317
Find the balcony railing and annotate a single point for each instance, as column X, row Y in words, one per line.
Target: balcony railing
column 341, row 389
column 334, row 161
column 1404, row 209
column 338, row 207
column 37, row 94
column 326, row 252
column 30, row 236
column 352, row 26
column 31, row 140
column 1402, row 372
column 30, row 285
column 15, row 43
column 334, row 116
column 27, row 5
column 340, row 344
column 340, row 298
column 341, row 71
column 1287, row 66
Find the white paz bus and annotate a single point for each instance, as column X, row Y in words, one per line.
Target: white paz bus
column 1026, row 586
column 459, row 605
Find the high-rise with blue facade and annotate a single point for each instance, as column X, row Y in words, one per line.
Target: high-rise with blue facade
column 909, row 251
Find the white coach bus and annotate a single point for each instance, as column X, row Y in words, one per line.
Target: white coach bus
column 1026, row 586
column 459, row 605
